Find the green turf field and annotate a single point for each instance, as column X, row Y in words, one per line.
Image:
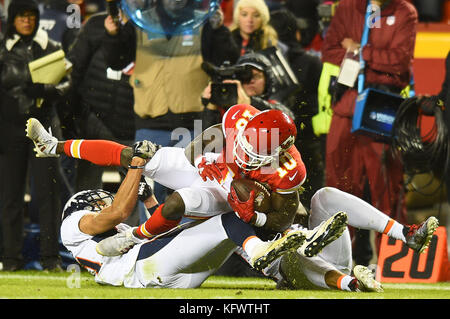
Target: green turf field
column 41, row 285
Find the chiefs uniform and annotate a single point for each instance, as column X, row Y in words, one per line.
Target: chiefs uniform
column 286, row 177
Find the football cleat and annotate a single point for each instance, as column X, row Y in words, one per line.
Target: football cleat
column 418, row 237
column 365, row 280
column 269, row 251
column 44, row 141
column 327, row 232
column 118, row 244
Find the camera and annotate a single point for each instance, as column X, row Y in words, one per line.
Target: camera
column 225, row 94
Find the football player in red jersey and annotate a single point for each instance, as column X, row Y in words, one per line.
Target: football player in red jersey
column 204, row 190
column 252, row 143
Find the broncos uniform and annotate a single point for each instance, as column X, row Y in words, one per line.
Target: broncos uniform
column 163, row 262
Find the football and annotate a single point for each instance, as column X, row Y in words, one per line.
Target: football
column 244, row 186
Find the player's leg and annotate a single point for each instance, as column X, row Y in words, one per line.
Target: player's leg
column 186, row 260
column 193, row 202
column 363, row 215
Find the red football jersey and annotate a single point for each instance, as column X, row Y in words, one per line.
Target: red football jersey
column 286, row 177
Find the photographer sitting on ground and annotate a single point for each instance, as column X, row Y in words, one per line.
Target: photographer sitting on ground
column 250, row 81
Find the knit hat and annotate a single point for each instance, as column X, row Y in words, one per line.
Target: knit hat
column 262, row 63
column 259, row 5
column 16, row 7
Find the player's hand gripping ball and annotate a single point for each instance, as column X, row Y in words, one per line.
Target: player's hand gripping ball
column 247, row 196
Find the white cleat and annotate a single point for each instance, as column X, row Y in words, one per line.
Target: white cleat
column 118, row 244
column 366, row 280
column 327, row 232
column 44, row 141
column 269, row 251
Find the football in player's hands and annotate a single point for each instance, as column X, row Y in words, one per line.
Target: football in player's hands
column 244, row 186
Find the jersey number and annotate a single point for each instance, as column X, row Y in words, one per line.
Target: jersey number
column 288, row 164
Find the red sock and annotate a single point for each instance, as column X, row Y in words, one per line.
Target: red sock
column 99, row 152
column 156, row 224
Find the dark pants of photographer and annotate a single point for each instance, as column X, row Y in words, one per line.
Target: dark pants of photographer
column 18, row 156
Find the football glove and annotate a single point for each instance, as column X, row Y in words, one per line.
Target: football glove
column 144, row 191
column 244, row 210
column 145, row 149
column 208, row 170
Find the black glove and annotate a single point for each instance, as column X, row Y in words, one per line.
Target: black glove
column 145, row 191
column 35, row 90
column 39, row 90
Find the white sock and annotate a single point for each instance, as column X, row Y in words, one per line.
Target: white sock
column 395, row 230
column 250, row 245
column 343, row 282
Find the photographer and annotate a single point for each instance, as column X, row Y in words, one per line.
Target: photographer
column 249, row 81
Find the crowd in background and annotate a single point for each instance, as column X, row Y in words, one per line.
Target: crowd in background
column 122, row 89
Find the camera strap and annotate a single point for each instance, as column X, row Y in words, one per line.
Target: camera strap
column 364, row 40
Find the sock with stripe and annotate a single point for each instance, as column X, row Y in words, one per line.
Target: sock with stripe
column 395, row 230
column 241, row 233
column 99, row 152
column 347, row 283
column 156, row 224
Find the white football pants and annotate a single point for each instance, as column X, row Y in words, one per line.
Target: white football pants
column 187, row 260
column 170, row 167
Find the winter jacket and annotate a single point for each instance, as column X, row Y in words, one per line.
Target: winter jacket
column 15, row 54
column 167, row 79
column 390, row 47
column 110, row 100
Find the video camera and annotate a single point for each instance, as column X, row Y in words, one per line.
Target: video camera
column 225, row 94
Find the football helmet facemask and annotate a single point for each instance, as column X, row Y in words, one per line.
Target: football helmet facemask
column 92, row 200
column 263, row 138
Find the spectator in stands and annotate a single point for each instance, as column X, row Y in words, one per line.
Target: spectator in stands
column 21, row 99
column 359, row 164
column 303, row 100
column 167, row 79
column 103, row 96
column 250, row 28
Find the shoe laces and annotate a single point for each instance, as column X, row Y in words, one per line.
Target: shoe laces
column 412, row 229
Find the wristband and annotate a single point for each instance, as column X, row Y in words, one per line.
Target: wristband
column 136, row 167
column 261, row 219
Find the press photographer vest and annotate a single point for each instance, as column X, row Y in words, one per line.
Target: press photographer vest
column 168, row 75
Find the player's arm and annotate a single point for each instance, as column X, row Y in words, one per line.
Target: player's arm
column 281, row 216
column 284, row 210
column 210, row 140
column 122, row 206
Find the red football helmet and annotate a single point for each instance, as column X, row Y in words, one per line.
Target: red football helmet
column 261, row 140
